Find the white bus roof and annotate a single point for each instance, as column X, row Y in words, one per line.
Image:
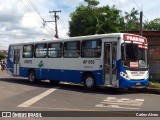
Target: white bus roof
column 89, row 37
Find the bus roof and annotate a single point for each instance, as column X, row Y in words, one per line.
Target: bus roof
column 89, row 37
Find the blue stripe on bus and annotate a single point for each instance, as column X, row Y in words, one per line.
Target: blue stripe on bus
column 124, row 83
column 63, row 75
column 10, row 65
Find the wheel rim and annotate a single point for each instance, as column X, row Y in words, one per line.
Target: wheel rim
column 31, row 77
column 89, row 82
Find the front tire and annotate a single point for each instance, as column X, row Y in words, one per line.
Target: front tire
column 89, row 82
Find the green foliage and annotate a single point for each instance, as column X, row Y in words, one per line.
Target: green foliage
column 151, row 78
column 152, row 25
column 90, row 19
column 132, row 20
column 154, row 85
column 92, row 3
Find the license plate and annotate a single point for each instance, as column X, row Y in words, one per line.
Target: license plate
column 138, row 84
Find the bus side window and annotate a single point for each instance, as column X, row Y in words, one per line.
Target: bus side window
column 91, row 48
column 71, row 49
column 28, row 51
column 40, row 50
column 55, row 50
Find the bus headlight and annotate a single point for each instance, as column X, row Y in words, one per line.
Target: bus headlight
column 147, row 75
column 122, row 74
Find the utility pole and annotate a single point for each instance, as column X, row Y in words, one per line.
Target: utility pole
column 141, row 22
column 55, row 17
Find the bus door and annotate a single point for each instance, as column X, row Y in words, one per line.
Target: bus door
column 110, row 56
column 16, row 61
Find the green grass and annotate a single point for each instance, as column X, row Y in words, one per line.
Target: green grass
column 154, row 85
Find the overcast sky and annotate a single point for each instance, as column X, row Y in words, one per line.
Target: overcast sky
column 22, row 20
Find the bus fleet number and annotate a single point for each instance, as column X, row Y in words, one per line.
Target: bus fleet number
column 88, row 61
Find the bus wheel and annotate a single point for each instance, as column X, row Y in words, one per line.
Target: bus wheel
column 32, row 77
column 89, row 82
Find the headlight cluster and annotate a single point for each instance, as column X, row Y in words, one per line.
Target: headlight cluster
column 122, row 74
column 147, row 75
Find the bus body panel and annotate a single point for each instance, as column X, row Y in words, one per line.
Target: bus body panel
column 130, row 83
column 74, row 76
column 73, row 69
column 10, row 66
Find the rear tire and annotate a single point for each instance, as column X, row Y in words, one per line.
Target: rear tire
column 32, row 77
column 89, row 82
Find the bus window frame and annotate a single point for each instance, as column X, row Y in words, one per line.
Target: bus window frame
column 41, row 50
column 32, row 50
column 77, row 50
column 100, row 49
column 61, row 49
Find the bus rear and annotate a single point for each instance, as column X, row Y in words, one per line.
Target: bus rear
column 132, row 68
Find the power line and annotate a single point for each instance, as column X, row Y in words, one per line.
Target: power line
column 141, row 9
column 35, row 9
column 137, row 5
column 30, row 6
column 145, row 17
column 21, row 6
column 27, row 8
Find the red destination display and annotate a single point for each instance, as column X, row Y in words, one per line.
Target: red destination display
column 135, row 38
column 134, row 64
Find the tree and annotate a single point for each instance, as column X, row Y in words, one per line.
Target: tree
column 152, row 25
column 108, row 20
column 79, row 21
column 92, row 3
column 90, row 19
column 131, row 20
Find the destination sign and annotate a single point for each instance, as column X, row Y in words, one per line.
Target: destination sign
column 134, row 38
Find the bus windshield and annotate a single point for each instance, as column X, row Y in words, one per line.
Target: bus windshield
column 134, row 55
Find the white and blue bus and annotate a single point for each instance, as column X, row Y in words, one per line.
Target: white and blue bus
column 118, row 60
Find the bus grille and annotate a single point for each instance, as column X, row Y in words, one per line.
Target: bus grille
column 137, row 73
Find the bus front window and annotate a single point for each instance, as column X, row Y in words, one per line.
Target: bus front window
column 134, row 55
column 142, row 53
